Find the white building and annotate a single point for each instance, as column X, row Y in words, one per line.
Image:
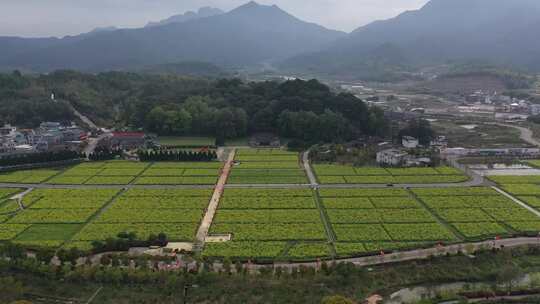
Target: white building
column 410, row 142
column 7, row 145
column 439, row 141
column 392, row 157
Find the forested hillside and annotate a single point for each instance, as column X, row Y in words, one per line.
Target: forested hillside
column 174, row 105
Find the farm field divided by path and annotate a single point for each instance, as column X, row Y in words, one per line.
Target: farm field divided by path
column 277, row 222
column 340, row 174
column 267, row 166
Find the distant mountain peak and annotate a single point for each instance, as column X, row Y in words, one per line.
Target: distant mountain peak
column 252, row 5
column 203, row 12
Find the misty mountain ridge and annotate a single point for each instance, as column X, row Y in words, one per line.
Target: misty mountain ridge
column 247, row 35
column 203, row 12
column 493, row 31
column 498, row 32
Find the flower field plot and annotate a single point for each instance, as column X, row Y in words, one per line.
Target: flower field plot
column 47, row 235
column 189, row 173
column 101, row 232
column 270, row 232
column 381, row 216
column 10, row 231
column 175, row 212
column 100, row 173
column 28, row 176
column 53, row 216
column 355, row 249
column 512, row 179
column 267, row 166
column 126, row 172
column 266, row 218
column 245, row 250
column 342, row 174
column 476, row 213
column 309, row 250
column 7, row 192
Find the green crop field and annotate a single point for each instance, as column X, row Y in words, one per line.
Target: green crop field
column 263, row 222
column 28, row 176
column 476, row 213
column 267, row 166
column 53, row 216
column 341, row 174
column 371, row 220
column 63, row 217
column 125, row 172
column 527, row 190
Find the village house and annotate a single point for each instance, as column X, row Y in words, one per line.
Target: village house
column 410, row 142
column 392, row 157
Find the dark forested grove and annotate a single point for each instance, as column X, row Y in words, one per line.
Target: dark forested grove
column 175, row 105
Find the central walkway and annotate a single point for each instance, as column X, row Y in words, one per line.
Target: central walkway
column 202, row 233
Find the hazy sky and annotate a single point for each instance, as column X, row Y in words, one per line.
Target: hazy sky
column 38, row 18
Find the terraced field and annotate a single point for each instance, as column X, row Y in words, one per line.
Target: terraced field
column 340, row 174
column 267, row 166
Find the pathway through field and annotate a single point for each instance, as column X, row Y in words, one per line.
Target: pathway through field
column 202, row 233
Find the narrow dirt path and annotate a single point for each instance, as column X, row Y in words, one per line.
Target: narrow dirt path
column 206, row 222
column 517, row 201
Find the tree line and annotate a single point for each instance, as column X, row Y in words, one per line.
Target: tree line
column 37, row 158
column 176, row 155
column 102, row 153
column 226, row 108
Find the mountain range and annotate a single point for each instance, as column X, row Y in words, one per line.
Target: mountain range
column 500, row 32
column 504, row 32
column 203, row 12
column 247, row 35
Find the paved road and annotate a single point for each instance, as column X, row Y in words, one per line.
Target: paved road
column 82, row 117
column 526, row 134
column 309, row 170
column 93, row 142
column 417, row 254
column 211, row 210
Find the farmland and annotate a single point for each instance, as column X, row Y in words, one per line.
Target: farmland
column 340, row 174
column 62, row 217
column 267, row 166
column 275, row 222
column 53, row 216
column 123, row 173
column 272, row 220
column 370, row 220
column 527, row 190
column 176, row 213
column 28, row 176
column 476, row 213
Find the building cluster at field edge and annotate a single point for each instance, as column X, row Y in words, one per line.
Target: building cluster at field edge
column 48, row 137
